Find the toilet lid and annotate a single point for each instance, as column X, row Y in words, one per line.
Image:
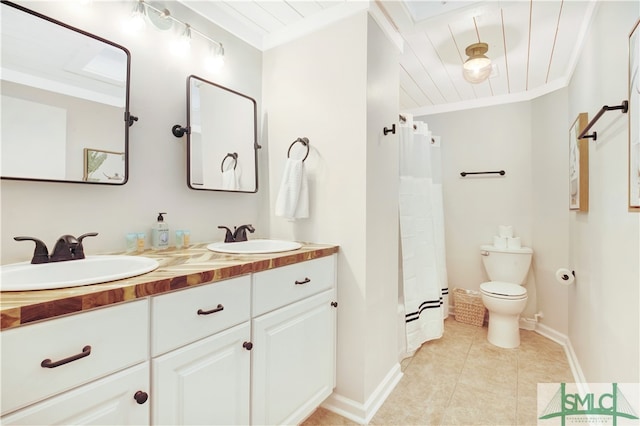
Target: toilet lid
column 503, row 289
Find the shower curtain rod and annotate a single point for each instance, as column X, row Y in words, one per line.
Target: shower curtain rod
column 403, row 119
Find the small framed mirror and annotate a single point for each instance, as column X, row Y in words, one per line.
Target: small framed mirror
column 65, row 92
column 221, row 139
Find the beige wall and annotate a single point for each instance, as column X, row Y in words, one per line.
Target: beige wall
column 483, row 139
column 550, row 206
column 157, row 180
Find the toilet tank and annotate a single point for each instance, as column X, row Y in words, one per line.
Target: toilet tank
column 508, row 265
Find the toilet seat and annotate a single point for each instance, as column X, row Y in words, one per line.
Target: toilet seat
column 503, row 290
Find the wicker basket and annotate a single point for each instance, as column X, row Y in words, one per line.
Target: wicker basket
column 468, row 307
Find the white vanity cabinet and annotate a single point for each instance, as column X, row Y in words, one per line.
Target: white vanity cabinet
column 201, row 342
column 81, row 369
column 255, row 349
column 294, row 336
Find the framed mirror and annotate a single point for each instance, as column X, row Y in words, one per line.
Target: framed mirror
column 64, row 91
column 222, row 138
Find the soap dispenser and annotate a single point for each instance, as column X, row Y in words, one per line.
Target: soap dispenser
column 160, row 234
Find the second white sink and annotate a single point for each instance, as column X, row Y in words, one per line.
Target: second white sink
column 73, row 273
column 254, row 246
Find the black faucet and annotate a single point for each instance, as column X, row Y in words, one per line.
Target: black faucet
column 228, row 238
column 67, row 247
column 240, row 233
column 40, row 254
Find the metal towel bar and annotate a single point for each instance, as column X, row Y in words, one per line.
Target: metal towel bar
column 499, row 172
column 624, row 107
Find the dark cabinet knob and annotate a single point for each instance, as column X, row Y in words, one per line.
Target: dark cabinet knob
column 141, row 397
column 334, row 304
column 247, row 345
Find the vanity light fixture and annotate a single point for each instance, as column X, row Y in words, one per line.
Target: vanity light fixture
column 163, row 20
column 477, row 68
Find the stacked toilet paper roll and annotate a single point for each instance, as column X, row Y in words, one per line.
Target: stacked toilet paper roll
column 505, row 231
column 505, row 238
column 565, row 276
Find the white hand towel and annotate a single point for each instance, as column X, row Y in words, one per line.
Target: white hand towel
column 230, row 180
column 293, row 198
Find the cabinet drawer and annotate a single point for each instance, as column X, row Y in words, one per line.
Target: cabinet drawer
column 188, row 315
column 101, row 342
column 107, row 401
column 280, row 286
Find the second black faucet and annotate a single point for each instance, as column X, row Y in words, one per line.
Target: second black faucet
column 239, row 233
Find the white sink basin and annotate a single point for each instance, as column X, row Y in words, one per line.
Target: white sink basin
column 254, row 246
column 73, row 273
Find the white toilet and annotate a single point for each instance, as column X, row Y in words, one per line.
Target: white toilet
column 503, row 296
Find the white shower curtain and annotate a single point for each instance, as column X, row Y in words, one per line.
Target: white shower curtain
column 424, row 275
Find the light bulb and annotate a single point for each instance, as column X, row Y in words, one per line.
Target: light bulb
column 182, row 45
column 477, row 68
column 136, row 21
column 215, row 60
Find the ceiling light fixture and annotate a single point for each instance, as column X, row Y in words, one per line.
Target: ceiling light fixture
column 477, row 68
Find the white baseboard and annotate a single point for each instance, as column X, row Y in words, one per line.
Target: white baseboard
column 359, row 412
column 548, row 332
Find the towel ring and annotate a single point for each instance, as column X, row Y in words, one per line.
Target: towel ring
column 235, row 159
column 303, row 141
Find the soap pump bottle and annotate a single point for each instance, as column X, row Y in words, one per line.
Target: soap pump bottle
column 160, row 234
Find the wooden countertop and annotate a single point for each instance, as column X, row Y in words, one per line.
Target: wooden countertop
column 178, row 269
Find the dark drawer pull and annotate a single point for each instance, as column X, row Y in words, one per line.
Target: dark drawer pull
column 47, row 363
column 306, row 280
column 213, row 311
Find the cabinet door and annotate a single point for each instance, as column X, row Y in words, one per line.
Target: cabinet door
column 293, row 362
column 108, row 401
column 206, row 382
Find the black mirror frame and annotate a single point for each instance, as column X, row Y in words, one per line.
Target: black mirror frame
column 179, row 131
column 128, row 119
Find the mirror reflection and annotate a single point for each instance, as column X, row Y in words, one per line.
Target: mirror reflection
column 222, row 144
column 64, row 93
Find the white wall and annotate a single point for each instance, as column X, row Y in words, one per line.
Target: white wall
column 318, row 87
column 604, row 325
column 157, row 180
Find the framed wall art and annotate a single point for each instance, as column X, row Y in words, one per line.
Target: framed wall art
column 634, row 118
column 578, row 165
column 103, row 166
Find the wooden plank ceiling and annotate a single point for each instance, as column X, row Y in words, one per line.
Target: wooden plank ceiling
column 533, row 44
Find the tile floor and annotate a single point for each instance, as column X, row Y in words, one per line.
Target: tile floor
column 461, row 379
